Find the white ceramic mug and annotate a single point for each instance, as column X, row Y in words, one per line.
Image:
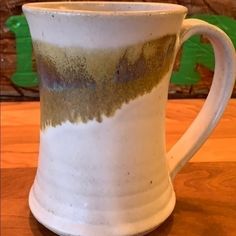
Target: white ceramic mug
column 104, row 70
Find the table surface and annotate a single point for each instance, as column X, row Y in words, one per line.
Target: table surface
column 205, row 188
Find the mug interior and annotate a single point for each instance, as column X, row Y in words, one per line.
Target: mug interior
column 107, row 7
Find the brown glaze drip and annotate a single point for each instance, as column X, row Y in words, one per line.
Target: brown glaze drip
column 79, row 85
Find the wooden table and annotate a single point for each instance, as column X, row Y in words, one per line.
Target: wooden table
column 205, row 188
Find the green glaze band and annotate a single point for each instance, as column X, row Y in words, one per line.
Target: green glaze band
column 79, row 85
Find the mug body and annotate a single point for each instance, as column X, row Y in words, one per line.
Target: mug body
column 104, row 73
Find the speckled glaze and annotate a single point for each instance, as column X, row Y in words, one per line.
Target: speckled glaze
column 89, row 84
column 104, row 74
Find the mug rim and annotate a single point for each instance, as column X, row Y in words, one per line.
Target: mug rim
column 155, row 8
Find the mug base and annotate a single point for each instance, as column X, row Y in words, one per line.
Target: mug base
column 65, row 227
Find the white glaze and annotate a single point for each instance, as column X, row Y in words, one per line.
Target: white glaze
column 94, row 30
column 111, row 178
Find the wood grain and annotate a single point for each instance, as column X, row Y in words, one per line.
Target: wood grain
column 20, row 132
column 206, row 203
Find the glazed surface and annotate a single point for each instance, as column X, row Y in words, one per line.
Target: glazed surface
column 78, row 84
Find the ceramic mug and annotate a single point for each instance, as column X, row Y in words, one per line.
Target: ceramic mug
column 104, row 74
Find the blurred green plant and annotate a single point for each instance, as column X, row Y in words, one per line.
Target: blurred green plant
column 194, row 51
column 24, row 75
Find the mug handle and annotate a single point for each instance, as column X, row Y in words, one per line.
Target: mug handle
column 217, row 99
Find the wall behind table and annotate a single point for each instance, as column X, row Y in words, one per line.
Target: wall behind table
column 11, row 92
